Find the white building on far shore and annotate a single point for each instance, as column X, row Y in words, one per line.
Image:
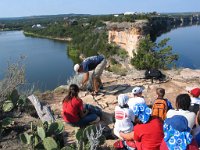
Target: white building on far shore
column 130, row 13
column 37, row 26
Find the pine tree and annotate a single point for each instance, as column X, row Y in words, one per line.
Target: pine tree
column 152, row 55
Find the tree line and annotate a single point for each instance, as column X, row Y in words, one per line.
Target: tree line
column 89, row 37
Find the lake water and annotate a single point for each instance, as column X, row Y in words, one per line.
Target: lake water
column 185, row 42
column 47, row 64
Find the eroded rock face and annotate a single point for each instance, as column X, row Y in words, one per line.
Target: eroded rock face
column 127, row 35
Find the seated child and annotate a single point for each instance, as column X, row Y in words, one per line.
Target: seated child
column 195, row 96
column 161, row 93
column 195, row 100
column 161, row 104
column 124, row 116
column 177, row 134
column 75, row 112
column 148, row 132
column 196, row 130
column 137, row 97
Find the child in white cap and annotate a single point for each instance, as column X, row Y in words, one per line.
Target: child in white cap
column 137, row 97
column 124, row 116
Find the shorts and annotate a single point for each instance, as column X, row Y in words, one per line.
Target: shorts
column 99, row 69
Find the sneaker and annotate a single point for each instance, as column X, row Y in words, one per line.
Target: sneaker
column 97, row 94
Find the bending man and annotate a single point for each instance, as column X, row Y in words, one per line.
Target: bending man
column 96, row 63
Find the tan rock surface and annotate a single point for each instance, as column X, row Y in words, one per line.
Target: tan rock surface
column 177, row 83
column 126, row 34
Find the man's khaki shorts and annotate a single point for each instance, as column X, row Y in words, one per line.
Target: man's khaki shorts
column 99, row 69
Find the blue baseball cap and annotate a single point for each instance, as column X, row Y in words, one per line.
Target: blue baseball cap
column 178, row 122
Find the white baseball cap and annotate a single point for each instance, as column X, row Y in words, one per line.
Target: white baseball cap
column 122, row 99
column 76, row 67
column 137, row 90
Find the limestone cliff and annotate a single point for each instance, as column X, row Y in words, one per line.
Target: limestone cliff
column 127, row 35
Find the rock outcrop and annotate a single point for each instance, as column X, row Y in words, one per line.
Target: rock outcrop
column 127, row 35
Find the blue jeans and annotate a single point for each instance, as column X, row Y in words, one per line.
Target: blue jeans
column 92, row 115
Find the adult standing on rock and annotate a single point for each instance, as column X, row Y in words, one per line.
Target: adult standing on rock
column 96, row 63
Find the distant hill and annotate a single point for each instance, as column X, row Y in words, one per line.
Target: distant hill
column 44, row 17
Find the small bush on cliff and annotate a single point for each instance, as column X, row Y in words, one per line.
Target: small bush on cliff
column 151, row 55
column 117, row 69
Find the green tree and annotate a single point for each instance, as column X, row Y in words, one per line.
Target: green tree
column 152, row 55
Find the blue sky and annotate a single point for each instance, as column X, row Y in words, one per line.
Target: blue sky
column 18, row 8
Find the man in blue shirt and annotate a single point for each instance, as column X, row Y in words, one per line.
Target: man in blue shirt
column 96, row 63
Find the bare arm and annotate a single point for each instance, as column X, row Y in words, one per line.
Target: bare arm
column 85, row 78
column 127, row 136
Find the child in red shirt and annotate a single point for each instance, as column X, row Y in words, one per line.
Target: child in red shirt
column 148, row 133
column 75, row 113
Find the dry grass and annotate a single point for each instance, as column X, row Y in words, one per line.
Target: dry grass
column 15, row 76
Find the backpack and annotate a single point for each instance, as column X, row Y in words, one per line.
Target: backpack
column 160, row 108
column 153, row 74
column 194, row 108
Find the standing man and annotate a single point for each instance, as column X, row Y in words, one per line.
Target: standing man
column 96, row 63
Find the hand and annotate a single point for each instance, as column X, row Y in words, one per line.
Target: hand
column 82, row 86
column 85, row 112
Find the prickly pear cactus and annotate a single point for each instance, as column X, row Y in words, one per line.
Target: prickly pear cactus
column 79, row 134
column 56, row 128
column 50, row 144
column 69, row 147
column 14, row 96
column 8, row 106
column 88, row 129
column 36, row 140
column 26, row 138
column 7, row 121
column 41, row 132
column 45, row 125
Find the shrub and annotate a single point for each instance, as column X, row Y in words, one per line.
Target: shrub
column 151, row 55
column 117, row 69
column 90, row 137
column 14, row 77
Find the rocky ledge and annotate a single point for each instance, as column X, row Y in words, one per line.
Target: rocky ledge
column 177, row 81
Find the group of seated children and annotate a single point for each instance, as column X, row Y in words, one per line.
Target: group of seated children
column 162, row 127
column 140, row 127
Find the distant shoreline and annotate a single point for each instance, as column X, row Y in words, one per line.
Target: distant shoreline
column 47, row 37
